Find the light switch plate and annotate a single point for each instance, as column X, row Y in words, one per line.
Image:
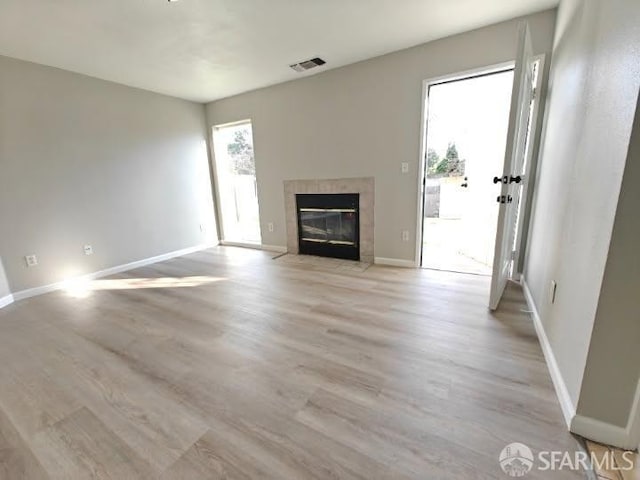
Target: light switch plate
column 31, row 260
column 88, row 250
column 405, row 167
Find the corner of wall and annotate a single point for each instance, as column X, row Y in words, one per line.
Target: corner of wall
column 627, row 437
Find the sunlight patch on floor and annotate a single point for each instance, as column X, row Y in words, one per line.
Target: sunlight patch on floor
column 81, row 288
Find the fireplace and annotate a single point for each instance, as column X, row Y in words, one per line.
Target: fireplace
column 329, row 224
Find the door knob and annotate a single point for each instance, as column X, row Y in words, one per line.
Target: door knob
column 513, row 179
column 504, row 179
column 464, row 185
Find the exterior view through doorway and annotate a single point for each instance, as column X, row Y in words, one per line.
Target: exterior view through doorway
column 236, row 187
column 469, row 200
column 466, row 132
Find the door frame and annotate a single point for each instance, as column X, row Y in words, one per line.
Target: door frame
column 520, row 240
column 422, row 161
column 216, row 183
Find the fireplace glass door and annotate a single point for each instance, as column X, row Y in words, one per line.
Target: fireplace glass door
column 329, row 225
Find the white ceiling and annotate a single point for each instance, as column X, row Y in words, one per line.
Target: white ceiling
column 203, row 50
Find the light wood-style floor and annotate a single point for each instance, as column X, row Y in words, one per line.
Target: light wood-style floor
column 626, row 465
column 226, row 364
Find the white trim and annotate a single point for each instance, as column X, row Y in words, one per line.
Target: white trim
column 256, row 246
column 32, row 292
column 8, row 300
column 216, row 183
column 603, row 432
column 627, row 437
column 394, row 262
column 232, row 124
column 623, row 437
column 633, row 426
column 515, row 155
column 274, row 248
column 566, row 404
column 474, row 72
column 422, row 172
column 524, row 195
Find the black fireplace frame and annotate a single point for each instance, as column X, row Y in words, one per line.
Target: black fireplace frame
column 328, row 201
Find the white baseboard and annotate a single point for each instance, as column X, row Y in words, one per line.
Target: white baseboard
column 627, row 437
column 32, row 292
column 256, row 246
column 624, row 437
column 603, row 432
column 8, row 300
column 274, row 248
column 633, row 426
column 394, row 262
column 566, row 404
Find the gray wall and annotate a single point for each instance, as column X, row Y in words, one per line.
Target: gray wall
column 593, row 88
column 613, row 363
column 362, row 120
column 84, row 161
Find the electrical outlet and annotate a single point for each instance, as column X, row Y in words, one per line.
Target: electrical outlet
column 31, row 260
column 552, row 291
column 88, row 250
column 405, row 167
column 270, row 225
column 405, row 235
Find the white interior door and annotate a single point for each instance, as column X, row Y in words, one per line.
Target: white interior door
column 515, row 153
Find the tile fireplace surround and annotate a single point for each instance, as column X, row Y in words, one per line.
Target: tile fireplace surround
column 364, row 186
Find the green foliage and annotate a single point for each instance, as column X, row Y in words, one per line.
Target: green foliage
column 452, row 153
column 433, row 159
column 443, row 167
column 449, row 166
column 241, row 153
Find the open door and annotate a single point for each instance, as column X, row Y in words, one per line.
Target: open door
column 516, row 152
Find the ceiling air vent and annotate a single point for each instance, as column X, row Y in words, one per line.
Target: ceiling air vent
column 307, row 64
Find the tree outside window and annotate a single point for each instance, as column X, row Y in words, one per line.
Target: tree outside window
column 240, row 151
column 449, row 166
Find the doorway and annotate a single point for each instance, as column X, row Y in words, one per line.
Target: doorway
column 467, row 120
column 235, row 170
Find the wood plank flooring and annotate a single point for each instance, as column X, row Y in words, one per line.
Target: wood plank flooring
column 225, row 364
column 625, row 464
